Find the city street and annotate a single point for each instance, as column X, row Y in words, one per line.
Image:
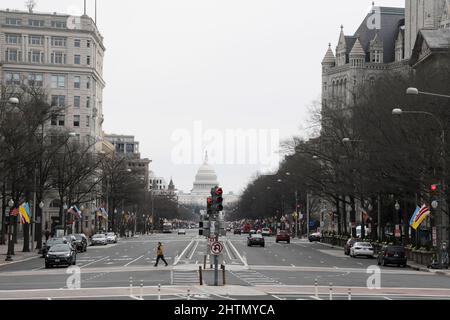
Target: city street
column 277, row 271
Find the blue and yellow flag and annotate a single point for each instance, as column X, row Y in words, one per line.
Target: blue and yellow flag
column 25, row 213
column 420, row 217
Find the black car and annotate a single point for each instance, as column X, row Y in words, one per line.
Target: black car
column 255, row 240
column 50, row 243
column 61, row 254
column 315, row 237
column 81, row 242
column 392, row 255
column 237, row 231
column 71, row 240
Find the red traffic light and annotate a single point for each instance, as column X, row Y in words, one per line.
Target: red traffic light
column 219, row 191
column 210, row 201
column 434, row 187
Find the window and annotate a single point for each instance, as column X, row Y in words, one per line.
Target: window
column 88, row 43
column 13, row 39
column 59, row 24
column 88, row 102
column 59, row 41
column 36, row 80
column 35, row 56
column 77, row 59
column 130, row 148
column 88, row 60
column 58, row 58
column 58, row 120
column 76, row 121
column 12, row 79
column 77, row 43
column 58, row 81
column 58, row 101
column 13, row 55
column 88, row 84
column 13, row 21
column 77, row 82
column 88, row 121
column 36, row 23
column 76, row 101
column 36, row 40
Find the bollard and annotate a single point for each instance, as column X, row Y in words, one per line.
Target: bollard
column 131, row 286
column 223, row 274
column 204, row 263
column 331, row 291
column 349, row 294
column 316, row 290
column 189, row 295
column 159, row 292
column 200, row 274
column 142, row 289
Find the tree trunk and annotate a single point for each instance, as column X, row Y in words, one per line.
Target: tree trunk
column 4, row 204
column 353, row 216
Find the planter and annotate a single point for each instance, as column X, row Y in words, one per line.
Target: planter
column 408, row 254
column 422, row 257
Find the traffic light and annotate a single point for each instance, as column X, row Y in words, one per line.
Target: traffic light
column 434, row 188
column 217, row 199
column 209, row 205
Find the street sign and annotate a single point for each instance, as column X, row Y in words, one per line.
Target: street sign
column 216, row 248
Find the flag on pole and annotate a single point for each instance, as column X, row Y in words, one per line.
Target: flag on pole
column 420, row 217
column 14, row 212
column 104, row 213
column 25, row 213
column 75, row 212
column 411, row 222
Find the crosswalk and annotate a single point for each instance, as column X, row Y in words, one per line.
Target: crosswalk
column 255, row 278
column 185, row 277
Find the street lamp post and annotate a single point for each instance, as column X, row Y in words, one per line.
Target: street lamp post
column 416, row 92
column 10, row 235
column 40, row 225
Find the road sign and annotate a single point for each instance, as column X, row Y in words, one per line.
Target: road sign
column 216, row 248
column 434, row 237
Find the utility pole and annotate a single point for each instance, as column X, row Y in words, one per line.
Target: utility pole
column 307, row 214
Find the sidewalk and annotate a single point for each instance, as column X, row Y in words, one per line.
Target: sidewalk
column 411, row 264
column 19, row 255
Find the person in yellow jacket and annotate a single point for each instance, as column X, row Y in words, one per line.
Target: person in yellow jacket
column 160, row 254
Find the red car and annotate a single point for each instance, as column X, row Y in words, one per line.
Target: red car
column 283, row 236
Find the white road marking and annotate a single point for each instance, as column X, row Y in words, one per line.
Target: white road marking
column 177, row 259
column 193, row 251
column 276, row 297
column 244, row 261
column 387, row 298
column 95, row 261
column 133, row 261
column 315, row 298
column 293, row 266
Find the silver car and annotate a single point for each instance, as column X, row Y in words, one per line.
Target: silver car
column 99, row 239
column 111, row 237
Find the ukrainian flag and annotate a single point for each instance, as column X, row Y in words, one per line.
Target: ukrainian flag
column 420, row 217
column 25, row 212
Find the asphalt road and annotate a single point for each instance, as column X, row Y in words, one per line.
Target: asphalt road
column 277, row 271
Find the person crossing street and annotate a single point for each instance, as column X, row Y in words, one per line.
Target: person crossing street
column 160, row 254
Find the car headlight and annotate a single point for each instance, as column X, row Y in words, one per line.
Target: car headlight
column 68, row 255
column 47, row 256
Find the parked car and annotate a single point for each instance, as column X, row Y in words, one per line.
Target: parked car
column 50, row 243
column 99, row 239
column 61, row 254
column 111, row 237
column 283, row 235
column 237, row 231
column 349, row 245
column 266, row 232
column 81, row 242
column 181, row 231
column 255, row 240
column 364, row 249
column 314, row 237
column 392, row 255
column 71, row 239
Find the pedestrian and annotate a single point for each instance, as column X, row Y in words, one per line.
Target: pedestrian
column 160, row 255
column 47, row 235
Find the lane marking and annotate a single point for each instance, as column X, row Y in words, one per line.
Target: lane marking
column 293, row 266
column 177, row 259
column 387, row 298
column 193, row 251
column 315, row 298
column 134, row 261
column 95, row 262
column 238, row 254
column 277, row 297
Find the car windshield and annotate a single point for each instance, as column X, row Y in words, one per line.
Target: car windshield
column 256, row 236
column 55, row 241
column 99, row 236
column 363, row 244
column 283, row 233
column 110, row 234
column 78, row 237
column 396, row 249
column 60, row 248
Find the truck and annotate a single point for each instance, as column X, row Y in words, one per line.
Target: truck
column 167, row 227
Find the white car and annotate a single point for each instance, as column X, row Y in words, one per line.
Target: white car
column 266, row 232
column 362, row 249
column 182, row 231
column 111, row 237
column 99, row 239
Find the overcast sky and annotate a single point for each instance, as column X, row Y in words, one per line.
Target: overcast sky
column 231, row 64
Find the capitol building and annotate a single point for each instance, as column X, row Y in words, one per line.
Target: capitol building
column 205, row 180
